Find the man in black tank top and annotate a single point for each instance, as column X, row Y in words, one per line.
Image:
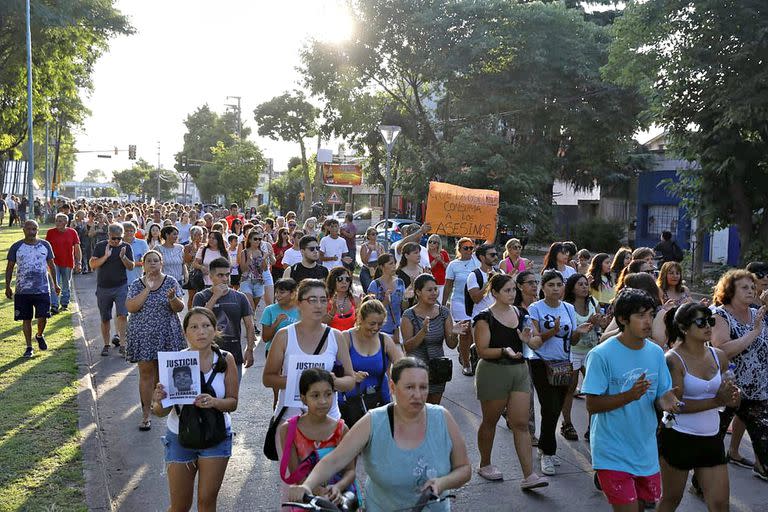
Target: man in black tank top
column 308, row 267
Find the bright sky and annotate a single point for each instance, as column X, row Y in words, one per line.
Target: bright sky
column 189, row 52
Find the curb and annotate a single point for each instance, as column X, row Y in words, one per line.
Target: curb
column 98, row 496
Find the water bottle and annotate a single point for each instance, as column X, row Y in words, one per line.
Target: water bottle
column 729, row 375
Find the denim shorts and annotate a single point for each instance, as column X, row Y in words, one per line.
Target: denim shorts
column 175, row 453
column 252, row 287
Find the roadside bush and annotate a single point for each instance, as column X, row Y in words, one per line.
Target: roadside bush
column 598, row 235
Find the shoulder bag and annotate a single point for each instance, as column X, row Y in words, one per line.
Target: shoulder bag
column 355, row 406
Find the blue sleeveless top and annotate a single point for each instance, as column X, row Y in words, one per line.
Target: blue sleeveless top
column 396, row 476
column 375, row 368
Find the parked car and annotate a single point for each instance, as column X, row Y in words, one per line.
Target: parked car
column 395, row 229
column 339, row 215
column 362, row 220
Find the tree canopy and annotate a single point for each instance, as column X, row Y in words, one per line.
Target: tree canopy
column 702, row 68
column 493, row 94
column 239, row 167
column 67, row 38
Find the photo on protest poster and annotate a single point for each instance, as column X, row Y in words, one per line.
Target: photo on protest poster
column 180, row 376
column 297, row 363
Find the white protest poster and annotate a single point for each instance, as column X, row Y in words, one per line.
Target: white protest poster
column 180, row 376
column 297, row 363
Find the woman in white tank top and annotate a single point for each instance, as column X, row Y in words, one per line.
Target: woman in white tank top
column 200, row 330
column 691, row 439
column 298, row 347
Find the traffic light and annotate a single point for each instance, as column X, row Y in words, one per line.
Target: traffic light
column 184, row 162
column 131, row 152
column 115, row 150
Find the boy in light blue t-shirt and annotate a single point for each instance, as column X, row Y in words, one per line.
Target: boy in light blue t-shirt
column 627, row 380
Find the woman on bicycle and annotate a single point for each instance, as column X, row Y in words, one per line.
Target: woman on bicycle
column 430, row 459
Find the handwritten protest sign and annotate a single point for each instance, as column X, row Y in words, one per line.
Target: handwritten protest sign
column 459, row 211
column 297, row 363
column 180, row 376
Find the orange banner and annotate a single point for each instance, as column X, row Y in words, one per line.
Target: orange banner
column 342, row 174
column 459, row 211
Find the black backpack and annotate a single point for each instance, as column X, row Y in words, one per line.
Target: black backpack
column 203, row 428
column 469, row 304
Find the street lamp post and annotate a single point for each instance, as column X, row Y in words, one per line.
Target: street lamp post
column 389, row 133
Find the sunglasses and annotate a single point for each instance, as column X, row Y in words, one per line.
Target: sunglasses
column 468, row 248
column 491, row 254
column 291, row 225
column 116, row 238
column 313, row 248
column 761, row 275
column 341, row 279
column 702, row 322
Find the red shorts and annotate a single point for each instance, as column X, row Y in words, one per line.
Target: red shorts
column 622, row 488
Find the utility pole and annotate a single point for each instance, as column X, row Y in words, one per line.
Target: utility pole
column 47, row 162
column 238, row 111
column 31, row 155
column 158, row 171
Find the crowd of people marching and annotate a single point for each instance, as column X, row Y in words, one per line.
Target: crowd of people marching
column 359, row 377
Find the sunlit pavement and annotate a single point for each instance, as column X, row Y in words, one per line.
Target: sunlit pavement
column 132, row 461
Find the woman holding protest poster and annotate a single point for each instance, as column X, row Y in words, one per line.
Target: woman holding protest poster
column 183, row 462
column 308, row 343
column 153, row 325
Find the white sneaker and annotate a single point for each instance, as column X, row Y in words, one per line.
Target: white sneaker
column 547, row 466
column 556, row 460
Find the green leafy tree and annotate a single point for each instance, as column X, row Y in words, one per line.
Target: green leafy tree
column 284, row 191
column 67, row 39
column 130, row 181
column 208, row 183
column 701, row 67
column 290, row 117
column 169, row 181
column 493, row 94
column 205, row 129
column 106, row 192
column 240, row 165
column 96, row 175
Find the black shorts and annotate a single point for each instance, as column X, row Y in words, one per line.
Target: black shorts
column 687, row 451
column 234, row 347
column 24, row 302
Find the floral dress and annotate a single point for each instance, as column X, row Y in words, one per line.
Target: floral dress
column 155, row 327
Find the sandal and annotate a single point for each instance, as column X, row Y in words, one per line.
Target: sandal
column 568, row 432
column 105, row 350
column 145, row 425
column 467, row 371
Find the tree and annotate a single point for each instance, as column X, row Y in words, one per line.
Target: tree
column 96, row 175
column 292, row 118
column 493, row 94
column 205, row 129
column 701, row 67
column 284, row 191
column 130, row 181
column 169, row 181
column 240, row 165
column 208, row 182
column 106, row 192
column 67, row 39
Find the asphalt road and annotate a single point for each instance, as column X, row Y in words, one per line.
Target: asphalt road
column 125, row 469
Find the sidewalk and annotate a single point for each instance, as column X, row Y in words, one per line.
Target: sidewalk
column 125, row 469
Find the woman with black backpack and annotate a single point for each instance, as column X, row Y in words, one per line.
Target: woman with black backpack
column 207, row 448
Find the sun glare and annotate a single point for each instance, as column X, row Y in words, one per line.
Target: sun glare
column 334, row 23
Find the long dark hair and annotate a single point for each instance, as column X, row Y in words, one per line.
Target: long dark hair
column 569, row 295
column 384, row 258
column 330, row 281
column 519, row 279
column 407, row 249
column 618, row 260
column 678, row 320
column 596, row 271
column 550, row 259
column 219, row 243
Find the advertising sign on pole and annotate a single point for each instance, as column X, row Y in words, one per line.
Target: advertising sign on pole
column 342, row 174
